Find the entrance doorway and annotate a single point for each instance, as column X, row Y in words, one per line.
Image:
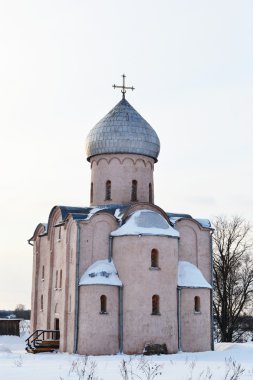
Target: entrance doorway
column 57, row 327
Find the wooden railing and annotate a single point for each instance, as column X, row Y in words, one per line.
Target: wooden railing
column 38, row 336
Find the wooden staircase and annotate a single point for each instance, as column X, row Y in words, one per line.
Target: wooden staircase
column 43, row 341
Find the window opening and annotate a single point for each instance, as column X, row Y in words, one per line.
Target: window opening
column 103, row 305
column 134, row 191
column 57, row 328
column 150, row 193
column 91, row 192
column 197, row 304
column 41, row 302
column 43, row 273
column 59, row 233
column 108, row 191
column 155, row 305
column 70, row 304
column 60, row 282
column 154, row 258
column 56, row 279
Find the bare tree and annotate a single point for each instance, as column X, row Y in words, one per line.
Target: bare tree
column 22, row 312
column 233, row 274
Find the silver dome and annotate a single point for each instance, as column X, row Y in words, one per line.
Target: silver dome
column 123, row 130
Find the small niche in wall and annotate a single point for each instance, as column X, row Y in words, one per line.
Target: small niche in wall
column 155, row 305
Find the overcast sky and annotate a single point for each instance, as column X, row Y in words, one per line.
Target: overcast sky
column 191, row 63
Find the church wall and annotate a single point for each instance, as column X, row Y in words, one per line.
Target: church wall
column 42, row 252
column 34, row 295
column 58, row 278
column 132, row 258
column 95, row 240
column 194, row 246
column 98, row 333
column 195, row 326
column 70, row 293
column 121, row 170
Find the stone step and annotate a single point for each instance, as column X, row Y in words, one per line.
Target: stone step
column 49, row 342
column 36, row 350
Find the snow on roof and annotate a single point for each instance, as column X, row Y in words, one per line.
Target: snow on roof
column 102, row 272
column 119, row 213
column 189, row 276
column 94, row 210
column 146, row 222
column 203, row 222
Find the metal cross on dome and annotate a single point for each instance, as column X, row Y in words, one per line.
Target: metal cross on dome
column 124, row 87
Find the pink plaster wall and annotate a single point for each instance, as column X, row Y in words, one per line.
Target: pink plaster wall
column 121, row 170
column 70, row 289
column 95, row 239
column 195, row 327
column 98, row 333
column 41, row 252
column 194, row 246
column 132, row 258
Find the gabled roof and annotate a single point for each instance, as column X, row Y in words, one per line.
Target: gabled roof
column 174, row 218
column 121, row 212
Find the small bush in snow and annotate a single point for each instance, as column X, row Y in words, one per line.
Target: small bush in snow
column 18, row 362
column 141, row 369
column 84, row 369
column 234, row 370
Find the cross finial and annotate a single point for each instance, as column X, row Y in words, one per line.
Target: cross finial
column 124, row 87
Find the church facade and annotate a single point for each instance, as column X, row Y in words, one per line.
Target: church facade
column 122, row 273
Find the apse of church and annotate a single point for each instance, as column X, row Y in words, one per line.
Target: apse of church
column 122, row 273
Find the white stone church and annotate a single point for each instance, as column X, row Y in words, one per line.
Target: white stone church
column 121, row 273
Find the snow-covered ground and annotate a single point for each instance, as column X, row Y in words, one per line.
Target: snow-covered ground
column 16, row 364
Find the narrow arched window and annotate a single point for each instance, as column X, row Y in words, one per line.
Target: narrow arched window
column 59, row 233
column 134, row 191
column 60, row 282
column 108, row 188
column 150, row 193
column 91, row 192
column 70, row 305
column 155, row 305
column 56, row 279
column 41, row 302
column 154, row 258
column 71, row 255
column 43, row 273
column 197, row 304
column 103, row 304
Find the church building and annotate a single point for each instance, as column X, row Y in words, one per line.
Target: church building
column 121, row 273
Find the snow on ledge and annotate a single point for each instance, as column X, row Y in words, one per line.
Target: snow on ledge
column 102, row 272
column 146, row 222
column 189, row 276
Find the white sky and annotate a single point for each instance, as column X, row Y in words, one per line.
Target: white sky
column 191, row 63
